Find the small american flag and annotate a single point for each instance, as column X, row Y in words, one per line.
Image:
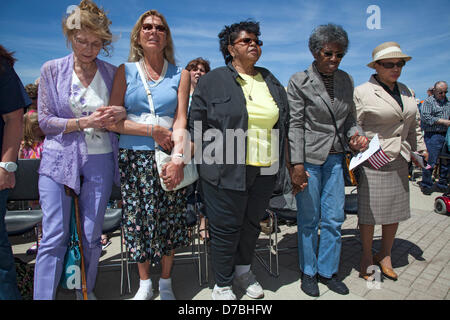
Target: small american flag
column 379, row 159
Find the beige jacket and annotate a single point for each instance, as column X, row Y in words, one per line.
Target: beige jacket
column 377, row 112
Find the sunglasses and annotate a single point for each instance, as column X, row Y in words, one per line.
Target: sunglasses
column 247, row 41
column 390, row 65
column 441, row 92
column 329, row 54
column 149, row 27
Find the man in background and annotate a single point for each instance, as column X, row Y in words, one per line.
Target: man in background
column 435, row 120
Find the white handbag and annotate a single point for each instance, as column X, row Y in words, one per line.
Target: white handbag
column 161, row 158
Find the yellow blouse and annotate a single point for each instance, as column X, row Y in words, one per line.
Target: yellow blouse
column 263, row 114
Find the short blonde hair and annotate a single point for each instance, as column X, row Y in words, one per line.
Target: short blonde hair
column 92, row 19
column 136, row 51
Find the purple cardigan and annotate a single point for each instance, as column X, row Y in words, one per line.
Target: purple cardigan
column 65, row 154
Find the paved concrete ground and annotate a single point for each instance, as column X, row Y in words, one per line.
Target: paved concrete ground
column 421, row 257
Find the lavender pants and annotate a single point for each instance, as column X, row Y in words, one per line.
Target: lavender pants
column 93, row 199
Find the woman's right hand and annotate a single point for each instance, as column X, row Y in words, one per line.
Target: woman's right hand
column 94, row 120
column 163, row 137
column 299, row 178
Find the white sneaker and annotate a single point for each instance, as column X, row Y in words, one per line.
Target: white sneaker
column 144, row 293
column 222, row 293
column 90, row 295
column 247, row 281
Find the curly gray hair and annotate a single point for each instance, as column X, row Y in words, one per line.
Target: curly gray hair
column 327, row 33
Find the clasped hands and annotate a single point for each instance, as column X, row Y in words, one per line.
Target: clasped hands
column 106, row 116
column 172, row 172
column 299, row 176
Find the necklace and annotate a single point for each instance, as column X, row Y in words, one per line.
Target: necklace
column 148, row 76
column 147, row 73
column 251, row 89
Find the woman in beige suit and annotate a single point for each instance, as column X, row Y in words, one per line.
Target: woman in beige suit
column 387, row 108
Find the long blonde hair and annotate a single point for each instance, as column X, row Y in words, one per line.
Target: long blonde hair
column 136, row 51
column 30, row 124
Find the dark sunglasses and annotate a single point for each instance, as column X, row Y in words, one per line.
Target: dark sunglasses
column 390, row 65
column 329, row 54
column 149, row 27
column 247, row 41
column 441, row 92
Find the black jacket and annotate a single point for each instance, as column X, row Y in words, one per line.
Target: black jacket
column 219, row 103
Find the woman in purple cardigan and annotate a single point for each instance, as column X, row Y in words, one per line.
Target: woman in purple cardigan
column 73, row 95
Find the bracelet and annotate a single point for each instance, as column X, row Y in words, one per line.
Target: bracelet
column 151, row 131
column 78, row 124
column 178, row 155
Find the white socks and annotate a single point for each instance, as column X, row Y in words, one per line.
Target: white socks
column 145, row 284
column 240, row 270
column 145, row 291
column 165, row 289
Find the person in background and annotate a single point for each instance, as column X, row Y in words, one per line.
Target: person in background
column 73, row 112
column 435, row 123
column 236, row 189
column 320, row 100
column 31, row 148
column 32, row 91
column 197, row 68
column 13, row 101
column 385, row 107
column 154, row 219
column 33, row 137
column 429, row 93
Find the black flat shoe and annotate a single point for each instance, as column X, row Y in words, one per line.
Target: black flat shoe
column 309, row 286
column 334, row 285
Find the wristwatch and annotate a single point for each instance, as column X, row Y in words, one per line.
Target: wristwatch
column 9, row 166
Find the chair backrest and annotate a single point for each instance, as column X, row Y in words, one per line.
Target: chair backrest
column 27, row 177
column 26, row 180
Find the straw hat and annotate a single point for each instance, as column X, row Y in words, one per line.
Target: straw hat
column 387, row 50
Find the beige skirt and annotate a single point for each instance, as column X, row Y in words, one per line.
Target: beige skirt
column 383, row 195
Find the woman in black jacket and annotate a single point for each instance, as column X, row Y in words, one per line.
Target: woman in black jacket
column 240, row 112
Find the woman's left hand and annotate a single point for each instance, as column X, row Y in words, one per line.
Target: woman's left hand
column 425, row 155
column 110, row 115
column 358, row 143
column 172, row 173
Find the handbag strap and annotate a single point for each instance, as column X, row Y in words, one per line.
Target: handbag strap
column 334, row 122
column 149, row 93
column 147, row 89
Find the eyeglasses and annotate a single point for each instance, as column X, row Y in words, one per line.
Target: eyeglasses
column 441, row 92
column 149, row 27
column 390, row 65
column 85, row 44
column 329, row 54
column 247, row 41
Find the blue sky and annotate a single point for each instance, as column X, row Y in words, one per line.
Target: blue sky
column 33, row 30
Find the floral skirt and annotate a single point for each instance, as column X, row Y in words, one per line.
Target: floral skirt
column 154, row 220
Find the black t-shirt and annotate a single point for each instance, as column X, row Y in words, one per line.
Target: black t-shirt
column 12, row 94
